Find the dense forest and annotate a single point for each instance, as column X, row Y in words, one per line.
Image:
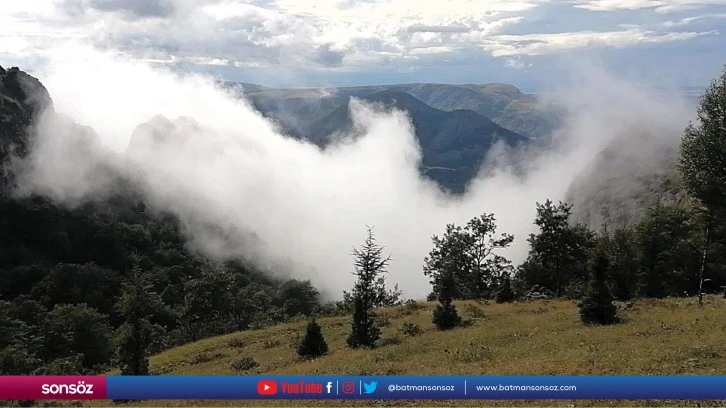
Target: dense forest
column 105, row 284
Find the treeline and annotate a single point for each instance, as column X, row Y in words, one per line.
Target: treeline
column 673, row 251
column 67, row 277
column 658, row 257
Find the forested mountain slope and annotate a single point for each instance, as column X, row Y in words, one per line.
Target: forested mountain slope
column 64, row 269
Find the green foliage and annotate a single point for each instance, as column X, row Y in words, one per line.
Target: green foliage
column 445, row 315
column 313, row 344
column 270, row 343
column 410, row 306
column 77, row 329
column 391, row 341
column 622, row 250
column 702, row 161
column 245, row 364
column 471, row 254
column 202, row 358
column 382, row 296
column 559, row 253
column 505, row 294
column 369, row 267
column 74, row 284
column 365, row 331
column 235, row 342
column 297, row 298
column 72, row 365
column 668, row 261
column 411, row 329
column 597, row 307
column 702, row 165
column 137, row 304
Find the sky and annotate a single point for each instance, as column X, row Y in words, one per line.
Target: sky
column 296, row 43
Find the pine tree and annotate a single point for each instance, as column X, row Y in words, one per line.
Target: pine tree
column 138, row 302
column 445, row 315
column 369, row 266
column 313, row 344
column 597, row 307
column 505, row 294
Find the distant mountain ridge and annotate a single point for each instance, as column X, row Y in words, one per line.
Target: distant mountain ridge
column 456, row 125
column 526, row 114
column 454, row 143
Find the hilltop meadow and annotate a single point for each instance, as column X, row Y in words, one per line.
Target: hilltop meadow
column 544, row 337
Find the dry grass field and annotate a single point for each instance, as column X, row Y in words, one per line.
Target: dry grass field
column 670, row 336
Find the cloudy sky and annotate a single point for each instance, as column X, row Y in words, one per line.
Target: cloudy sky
column 531, row 43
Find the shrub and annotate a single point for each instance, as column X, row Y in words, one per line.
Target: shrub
column 505, row 293
column 411, row 306
column 236, row 343
column 446, row 317
column 245, row 364
column 270, row 343
column 474, row 311
column 313, row 344
column 383, row 321
column 391, row 341
column 411, row 329
column 206, row 357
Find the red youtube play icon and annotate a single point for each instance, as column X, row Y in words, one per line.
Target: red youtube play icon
column 267, row 387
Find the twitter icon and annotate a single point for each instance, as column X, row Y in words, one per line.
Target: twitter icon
column 369, row 388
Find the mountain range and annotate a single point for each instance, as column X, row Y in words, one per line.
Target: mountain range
column 530, row 115
column 456, row 125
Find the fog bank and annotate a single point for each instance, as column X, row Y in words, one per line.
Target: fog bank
column 284, row 204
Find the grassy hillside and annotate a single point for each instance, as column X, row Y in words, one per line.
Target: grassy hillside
column 672, row 336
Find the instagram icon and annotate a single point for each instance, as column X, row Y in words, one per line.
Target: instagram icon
column 348, row 387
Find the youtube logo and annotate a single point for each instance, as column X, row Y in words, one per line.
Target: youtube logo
column 267, row 387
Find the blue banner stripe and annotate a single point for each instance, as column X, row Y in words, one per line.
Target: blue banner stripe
column 416, row 387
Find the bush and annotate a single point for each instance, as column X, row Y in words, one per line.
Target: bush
column 383, row 321
column 313, row 344
column 236, row 343
column 206, row 357
column 390, row 341
column 411, row 306
column 538, row 292
column 411, row 329
column 245, row 364
column 270, row 343
column 474, row 311
column 446, row 317
column 505, row 293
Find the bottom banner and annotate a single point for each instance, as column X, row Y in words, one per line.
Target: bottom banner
column 358, row 387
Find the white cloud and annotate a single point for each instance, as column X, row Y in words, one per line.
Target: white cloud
column 330, row 35
column 690, row 20
column 516, row 63
column 660, row 6
column 539, row 44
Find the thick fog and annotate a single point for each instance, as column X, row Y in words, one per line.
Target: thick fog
column 242, row 189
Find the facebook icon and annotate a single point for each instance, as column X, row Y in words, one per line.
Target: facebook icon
column 329, row 386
